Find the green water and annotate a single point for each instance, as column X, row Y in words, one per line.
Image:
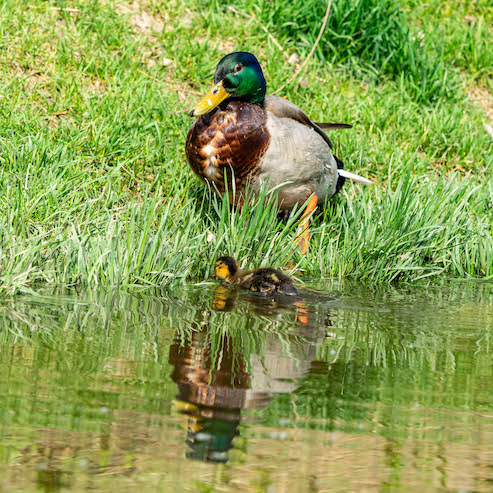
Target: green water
column 348, row 388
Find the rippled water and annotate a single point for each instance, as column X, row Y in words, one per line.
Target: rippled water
column 346, row 388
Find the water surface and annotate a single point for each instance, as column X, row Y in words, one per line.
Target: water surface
column 346, row 388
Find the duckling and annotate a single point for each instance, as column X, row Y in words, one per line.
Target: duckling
column 264, row 280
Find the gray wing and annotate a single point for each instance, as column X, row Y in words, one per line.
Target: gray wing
column 283, row 108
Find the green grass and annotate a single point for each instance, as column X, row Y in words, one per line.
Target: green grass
column 95, row 188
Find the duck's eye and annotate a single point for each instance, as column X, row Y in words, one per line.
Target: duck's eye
column 238, row 68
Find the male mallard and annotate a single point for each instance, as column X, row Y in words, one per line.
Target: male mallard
column 264, row 280
column 263, row 140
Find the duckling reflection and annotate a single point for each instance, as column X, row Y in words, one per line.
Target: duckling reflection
column 218, row 374
column 225, row 299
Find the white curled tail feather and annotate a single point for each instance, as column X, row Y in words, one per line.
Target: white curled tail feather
column 354, row 177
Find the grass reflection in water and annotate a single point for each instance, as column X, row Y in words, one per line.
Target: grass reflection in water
column 289, row 393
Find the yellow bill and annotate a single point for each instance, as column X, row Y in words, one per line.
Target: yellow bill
column 212, row 99
column 182, row 406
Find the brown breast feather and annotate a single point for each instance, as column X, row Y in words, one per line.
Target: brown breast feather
column 235, row 138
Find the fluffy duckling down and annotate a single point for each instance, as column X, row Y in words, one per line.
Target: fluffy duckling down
column 265, row 280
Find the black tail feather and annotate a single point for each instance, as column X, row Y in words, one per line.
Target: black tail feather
column 340, row 179
column 333, row 126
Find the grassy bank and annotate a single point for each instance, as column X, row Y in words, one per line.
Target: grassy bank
column 94, row 186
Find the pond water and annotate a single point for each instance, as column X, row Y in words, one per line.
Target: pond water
column 346, row 388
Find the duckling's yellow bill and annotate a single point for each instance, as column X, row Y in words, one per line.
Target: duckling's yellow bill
column 212, row 99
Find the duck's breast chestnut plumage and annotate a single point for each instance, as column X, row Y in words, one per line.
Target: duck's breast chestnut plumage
column 235, row 138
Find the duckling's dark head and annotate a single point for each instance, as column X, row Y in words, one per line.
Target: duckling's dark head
column 225, row 267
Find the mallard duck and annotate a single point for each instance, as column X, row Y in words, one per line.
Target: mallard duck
column 262, row 140
column 264, row 280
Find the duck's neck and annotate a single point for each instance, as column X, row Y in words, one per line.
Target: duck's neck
column 258, row 101
column 232, row 279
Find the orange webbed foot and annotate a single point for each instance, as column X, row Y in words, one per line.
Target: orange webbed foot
column 302, row 316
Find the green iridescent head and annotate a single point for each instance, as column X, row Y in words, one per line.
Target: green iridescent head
column 238, row 77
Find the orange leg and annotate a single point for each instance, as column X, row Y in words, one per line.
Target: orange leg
column 303, row 235
column 302, row 317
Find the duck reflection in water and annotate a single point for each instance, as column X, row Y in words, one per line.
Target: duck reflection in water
column 218, row 375
column 211, row 393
